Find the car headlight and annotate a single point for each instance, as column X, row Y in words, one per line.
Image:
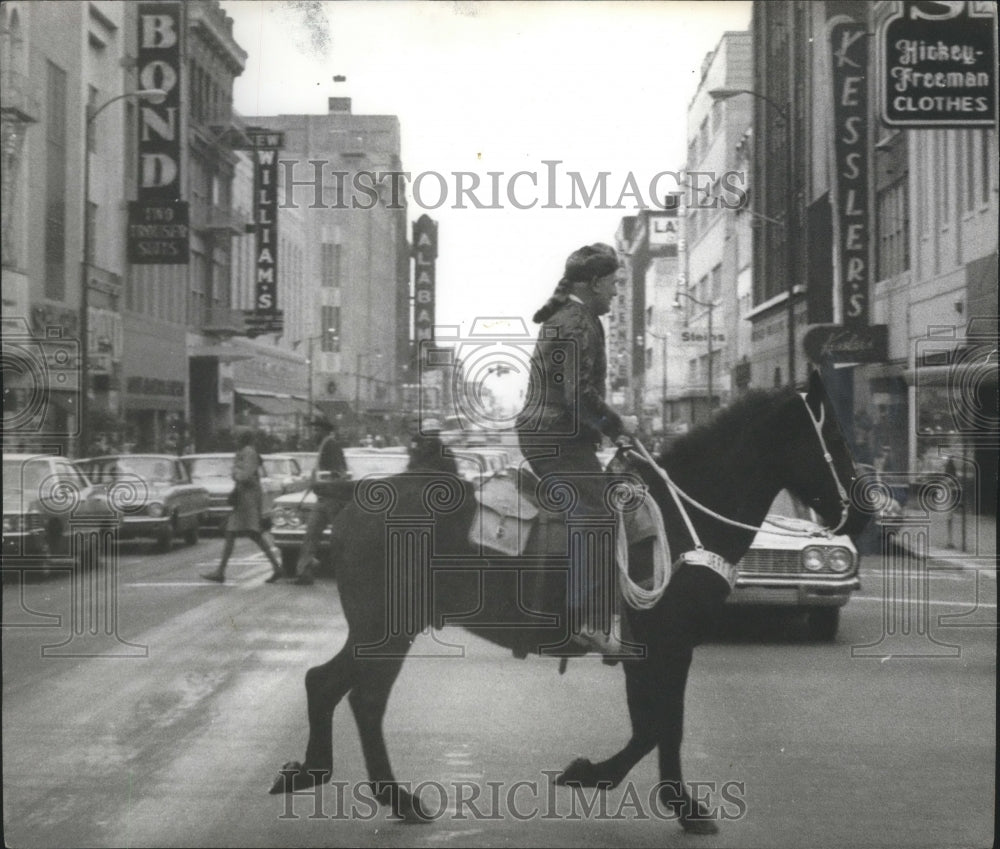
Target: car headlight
column 11, row 523
column 839, row 559
column 154, row 509
column 812, row 559
column 280, row 516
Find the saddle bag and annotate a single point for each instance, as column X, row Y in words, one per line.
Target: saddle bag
column 504, row 517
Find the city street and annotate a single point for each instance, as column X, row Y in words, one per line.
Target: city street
column 171, row 733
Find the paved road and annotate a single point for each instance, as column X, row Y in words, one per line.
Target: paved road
column 884, row 737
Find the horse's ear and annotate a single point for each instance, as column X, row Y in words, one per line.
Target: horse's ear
column 816, row 394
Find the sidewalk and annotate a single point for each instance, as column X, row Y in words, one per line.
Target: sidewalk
column 960, row 540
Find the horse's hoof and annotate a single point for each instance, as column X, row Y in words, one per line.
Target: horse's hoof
column 581, row 773
column 294, row 776
column 402, row 805
column 697, row 826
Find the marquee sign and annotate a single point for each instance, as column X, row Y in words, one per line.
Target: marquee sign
column 849, row 52
column 158, row 220
column 937, row 65
column 425, row 241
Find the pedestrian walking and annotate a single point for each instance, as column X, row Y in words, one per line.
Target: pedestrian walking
column 330, row 465
column 247, row 501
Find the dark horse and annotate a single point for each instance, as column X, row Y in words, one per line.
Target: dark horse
column 391, row 590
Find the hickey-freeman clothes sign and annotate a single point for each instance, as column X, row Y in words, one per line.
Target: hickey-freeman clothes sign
column 158, row 219
column 937, row 65
column 425, row 240
column 849, row 53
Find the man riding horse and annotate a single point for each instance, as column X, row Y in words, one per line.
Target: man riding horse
column 565, row 414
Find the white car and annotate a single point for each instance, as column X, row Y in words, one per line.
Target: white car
column 214, row 472
column 291, row 510
column 807, row 571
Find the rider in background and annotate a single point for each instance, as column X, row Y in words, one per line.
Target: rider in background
column 565, row 414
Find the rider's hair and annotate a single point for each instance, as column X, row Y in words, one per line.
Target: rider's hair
column 583, row 265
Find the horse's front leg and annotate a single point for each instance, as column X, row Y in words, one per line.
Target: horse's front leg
column 368, row 702
column 582, row 772
column 325, row 687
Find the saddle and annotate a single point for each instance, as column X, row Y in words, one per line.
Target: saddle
column 509, row 521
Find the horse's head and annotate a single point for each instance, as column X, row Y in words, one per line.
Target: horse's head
column 819, row 465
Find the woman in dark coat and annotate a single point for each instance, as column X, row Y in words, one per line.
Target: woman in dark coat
column 245, row 520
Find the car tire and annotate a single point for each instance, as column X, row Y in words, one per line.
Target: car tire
column 165, row 541
column 823, row 623
column 289, row 560
column 193, row 534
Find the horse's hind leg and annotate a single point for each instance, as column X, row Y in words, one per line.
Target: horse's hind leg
column 325, row 687
column 368, row 700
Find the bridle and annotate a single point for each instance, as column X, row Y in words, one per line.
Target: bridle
column 680, row 495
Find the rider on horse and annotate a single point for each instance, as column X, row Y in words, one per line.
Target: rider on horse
column 565, row 414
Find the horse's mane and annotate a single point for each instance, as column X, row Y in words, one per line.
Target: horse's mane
column 726, row 432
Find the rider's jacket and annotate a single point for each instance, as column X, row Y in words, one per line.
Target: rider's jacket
column 566, row 387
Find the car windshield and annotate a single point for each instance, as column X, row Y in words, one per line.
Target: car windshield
column 360, row 465
column 307, row 462
column 24, row 475
column 154, row 469
column 202, row 468
column 786, row 504
column 277, row 467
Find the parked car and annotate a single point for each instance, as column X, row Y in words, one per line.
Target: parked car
column 165, row 502
column 815, row 574
column 305, row 459
column 291, row 511
column 286, row 470
column 44, row 497
column 215, row 473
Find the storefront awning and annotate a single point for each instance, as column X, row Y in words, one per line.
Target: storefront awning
column 269, row 405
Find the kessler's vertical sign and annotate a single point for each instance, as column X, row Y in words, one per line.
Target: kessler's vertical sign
column 158, row 219
column 849, row 51
column 425, row 240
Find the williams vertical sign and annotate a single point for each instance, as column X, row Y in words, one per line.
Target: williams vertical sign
column 158, row 220
column 937, row 65
column 849, row 52
column 265, row 316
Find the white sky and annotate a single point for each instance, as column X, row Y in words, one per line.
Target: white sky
column 497, row 87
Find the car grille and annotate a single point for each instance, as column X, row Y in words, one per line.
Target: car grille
column 771, row 562
column 15, row 523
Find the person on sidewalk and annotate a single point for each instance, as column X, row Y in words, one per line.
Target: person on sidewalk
column 330, row 465
column 248, row 500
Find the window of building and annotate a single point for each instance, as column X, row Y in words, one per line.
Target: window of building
column 944, row 163
column 970, row 170
column 649, row 316
column 893, row 208
column 987, row 162
column 330, row 265
column 55, row 182
column 330, row 337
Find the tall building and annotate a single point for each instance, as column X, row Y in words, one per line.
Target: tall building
column 357, row 258
column 163, row 349
column 716, row 197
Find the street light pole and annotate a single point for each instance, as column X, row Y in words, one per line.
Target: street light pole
column 785, row 112
column 663, row 337
column 710, row 306
column 83, row 412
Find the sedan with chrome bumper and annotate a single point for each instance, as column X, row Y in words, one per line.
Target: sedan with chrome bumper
column 792, row 564
column 162, row 501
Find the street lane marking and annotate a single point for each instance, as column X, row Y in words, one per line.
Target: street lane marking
column 883, row 599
